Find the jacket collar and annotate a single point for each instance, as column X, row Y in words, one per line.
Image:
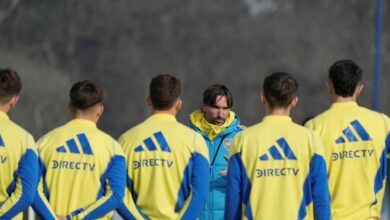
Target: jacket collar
column 344, row 105
column 277, row 119
column 161, row 117
column 197, row 117
column 82, row 122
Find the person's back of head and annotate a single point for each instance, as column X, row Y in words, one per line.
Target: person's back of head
column 345, row 76
column 212, row 92
column 280, row 89
column 85, row 96
column 164, row 92
column 10, row 84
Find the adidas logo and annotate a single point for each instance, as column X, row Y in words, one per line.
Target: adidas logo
column 350, row 136
column 82, row 138
column 1, row 142
column 275, row 153
column 149, row 143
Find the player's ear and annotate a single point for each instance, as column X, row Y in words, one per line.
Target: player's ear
column 294, row 102
column 359, row 89
column 71, row 108
column 263, row 99
column 149, row 101
column 100, row 110
column 178, row 104
column 329, row 87
column 14, row 100
column 203, row 108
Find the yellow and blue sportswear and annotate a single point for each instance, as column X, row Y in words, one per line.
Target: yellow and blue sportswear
column 218, row 140
column 82, row 172
column 356, row 142
column 277, row 171
column 167, row 170
column 18, row 169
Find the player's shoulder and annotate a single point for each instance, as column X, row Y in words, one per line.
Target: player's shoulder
column 181, row 127
column 102, row 135
column 323, row 116
column 133, row 132
column 300, row 128
column 51, row 134
column 371, row 113
column 16, row 129
column 181, row 132
column 19, row 134
column 251, row 130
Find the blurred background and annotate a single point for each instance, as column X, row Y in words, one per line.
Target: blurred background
column 122, row 44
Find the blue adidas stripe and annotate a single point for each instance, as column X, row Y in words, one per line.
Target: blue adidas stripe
column 84, row 144
column 360, row 130
column 363, row 134
column 286, row 149
column 1, row 142
column 72, row 146
column 350, row 136
column 264, row 157
column 275, row 153
column 150, row 145
column 340, row 140
column 162, row 142
column 61, row 149
column 139, row 149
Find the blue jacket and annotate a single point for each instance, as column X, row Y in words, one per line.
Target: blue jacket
column 218, row 148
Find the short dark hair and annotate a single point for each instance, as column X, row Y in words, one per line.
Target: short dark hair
column 164, row 90
column 85, row 94
column 10, row 84
column 212, row 92
column 280, row 89
column 345, row 75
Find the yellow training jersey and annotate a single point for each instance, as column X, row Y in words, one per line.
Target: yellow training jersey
column 167, row 170
column 18, row 169
column 82, row 173
column 356, row 142
column 277, row 171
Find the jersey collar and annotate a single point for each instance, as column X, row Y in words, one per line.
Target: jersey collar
column 344, row 105
column 3, row 115
column 277, row 118
column 83, row 122
column 162, row 117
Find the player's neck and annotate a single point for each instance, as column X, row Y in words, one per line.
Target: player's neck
column 172, row 112
column 88, row 117
column 6, row 107
column 278, row 111
column 340, row 99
